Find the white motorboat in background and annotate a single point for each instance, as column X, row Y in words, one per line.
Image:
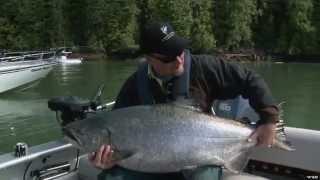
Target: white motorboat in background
column 63, row 58
column 24, row 68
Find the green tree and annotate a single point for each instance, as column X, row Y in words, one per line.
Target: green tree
column 316, row 22
column 58, row 33
column 35, row 24
column 264, row 28
column 29, row 25
column 113, row 23
column 145, row 11
column 234, row 20
column 7, row 34
column 300, row 26
column 49, row 19
column 202, row 36
column 291, row 27
column 76, row 24
column 8, row 27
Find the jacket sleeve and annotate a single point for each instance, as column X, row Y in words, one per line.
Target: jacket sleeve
column 233, row 80
column 128, row 95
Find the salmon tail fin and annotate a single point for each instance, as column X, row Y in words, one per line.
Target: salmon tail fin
column 281, row 136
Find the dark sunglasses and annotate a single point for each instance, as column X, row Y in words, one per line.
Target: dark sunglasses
column 164, row 60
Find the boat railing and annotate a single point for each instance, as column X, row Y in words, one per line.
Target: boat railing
column 27, row 56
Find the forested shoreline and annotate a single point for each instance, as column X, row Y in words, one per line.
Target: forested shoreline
column 286, row 27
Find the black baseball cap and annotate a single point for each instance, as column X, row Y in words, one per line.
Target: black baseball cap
column 160, row 37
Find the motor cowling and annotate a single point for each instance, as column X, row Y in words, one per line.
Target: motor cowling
column 72, row 108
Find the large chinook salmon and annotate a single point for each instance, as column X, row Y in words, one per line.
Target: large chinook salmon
column 166, row 138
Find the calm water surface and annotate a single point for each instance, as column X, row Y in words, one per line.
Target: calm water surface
column 24, row 116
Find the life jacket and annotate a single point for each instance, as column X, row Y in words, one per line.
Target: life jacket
column 181, row 83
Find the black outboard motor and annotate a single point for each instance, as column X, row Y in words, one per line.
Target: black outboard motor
column 73, row 108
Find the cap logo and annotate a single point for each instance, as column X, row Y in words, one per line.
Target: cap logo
column 164, row 30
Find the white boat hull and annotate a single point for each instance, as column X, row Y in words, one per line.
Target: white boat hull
column 16, row 74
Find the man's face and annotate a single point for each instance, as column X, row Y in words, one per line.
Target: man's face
column 166, row 66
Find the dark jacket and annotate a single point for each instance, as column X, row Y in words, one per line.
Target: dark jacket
column 211, row 78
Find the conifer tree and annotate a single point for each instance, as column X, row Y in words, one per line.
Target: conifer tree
column 316, row 24
column 202, row 36
column 300, row 26
column 76, row 26
column 113, row 23
column 234, row 20
column 8, row 27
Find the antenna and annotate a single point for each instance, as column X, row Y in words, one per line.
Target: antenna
column 96, row 100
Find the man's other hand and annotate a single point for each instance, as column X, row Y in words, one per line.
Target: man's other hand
column 102, row 158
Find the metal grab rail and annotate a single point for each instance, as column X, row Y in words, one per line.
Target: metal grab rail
column 38, row 56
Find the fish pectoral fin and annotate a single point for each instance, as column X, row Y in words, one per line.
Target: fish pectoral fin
column 237, row 162
column 120, row 155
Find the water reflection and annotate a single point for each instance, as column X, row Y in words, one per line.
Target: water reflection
column 25, row 120
column 297, row 85
column 66, row 73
